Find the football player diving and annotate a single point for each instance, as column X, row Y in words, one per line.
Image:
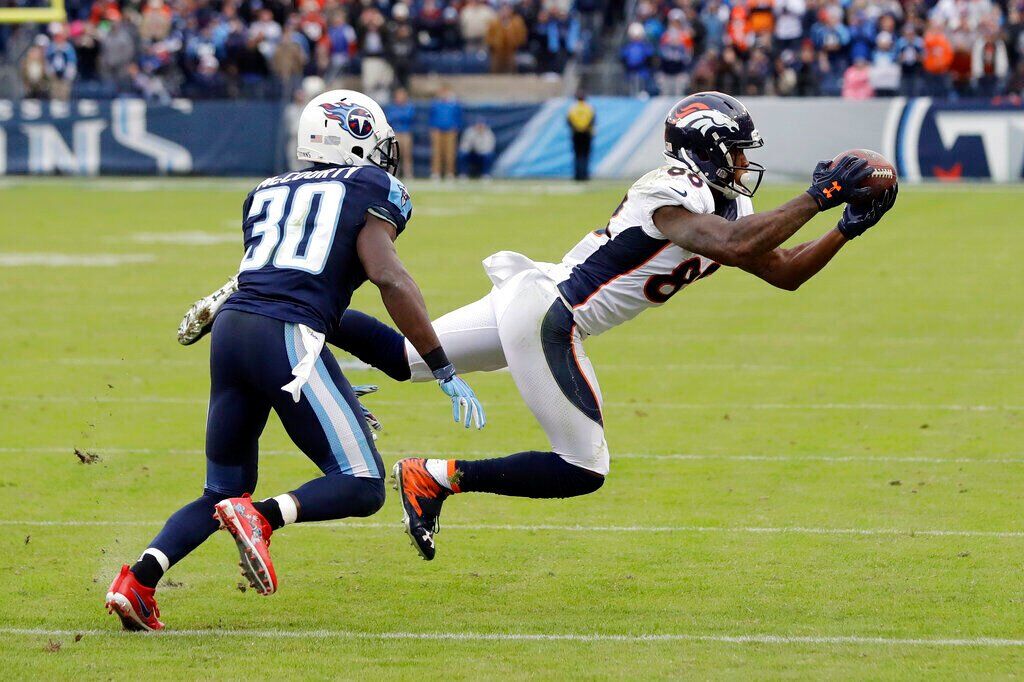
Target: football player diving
column 311, row 238
column 677, row 224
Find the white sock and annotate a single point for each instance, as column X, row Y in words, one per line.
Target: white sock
column 289, row 511
column 160, row 557
column 438, row 469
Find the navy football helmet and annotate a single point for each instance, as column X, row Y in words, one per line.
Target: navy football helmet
column 701, row 132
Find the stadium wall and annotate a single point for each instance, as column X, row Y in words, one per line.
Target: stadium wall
column 926, row 139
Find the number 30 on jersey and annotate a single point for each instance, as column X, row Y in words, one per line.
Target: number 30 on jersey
column 283, row 243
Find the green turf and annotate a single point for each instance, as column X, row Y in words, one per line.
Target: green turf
column 883, row 396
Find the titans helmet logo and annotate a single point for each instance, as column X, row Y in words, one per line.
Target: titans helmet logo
column 357, row 120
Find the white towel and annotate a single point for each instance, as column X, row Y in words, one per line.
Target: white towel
column 312, row 343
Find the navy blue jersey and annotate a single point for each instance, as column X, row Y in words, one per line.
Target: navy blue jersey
column 300, row 229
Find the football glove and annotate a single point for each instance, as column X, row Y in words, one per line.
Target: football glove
column 466, row 408
column 199, row 319
column 837, row 183
column 369, row 417
column 858, row 218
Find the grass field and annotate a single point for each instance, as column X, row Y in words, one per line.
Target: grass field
column 820, row 484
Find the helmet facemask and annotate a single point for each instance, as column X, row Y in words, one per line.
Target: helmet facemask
column 386, row 154
column 746, row 179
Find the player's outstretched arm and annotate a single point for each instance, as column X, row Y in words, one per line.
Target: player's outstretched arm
column 789, row 268
column 733, row 242
column 405, row 304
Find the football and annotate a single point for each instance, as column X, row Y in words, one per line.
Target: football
column 883, row 173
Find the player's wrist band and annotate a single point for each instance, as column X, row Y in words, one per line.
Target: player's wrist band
column 439, row 364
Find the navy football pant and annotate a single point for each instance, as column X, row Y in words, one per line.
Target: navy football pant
column 251, row 358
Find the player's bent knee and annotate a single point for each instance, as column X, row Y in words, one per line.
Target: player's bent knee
column 575, row 480
column 370, row 497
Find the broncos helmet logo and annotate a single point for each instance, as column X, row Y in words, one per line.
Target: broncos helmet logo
column 357, row 120
column 704, row 120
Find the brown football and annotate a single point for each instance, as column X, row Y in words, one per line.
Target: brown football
column 883, row 173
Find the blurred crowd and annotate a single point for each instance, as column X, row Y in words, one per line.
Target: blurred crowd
column 161, row 49
column 263, row 48
column 857, row 49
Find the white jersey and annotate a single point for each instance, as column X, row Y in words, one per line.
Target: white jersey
column 614, row 274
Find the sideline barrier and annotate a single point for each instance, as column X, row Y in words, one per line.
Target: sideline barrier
column 926, row 139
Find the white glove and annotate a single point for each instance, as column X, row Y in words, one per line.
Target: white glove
column 199, row 319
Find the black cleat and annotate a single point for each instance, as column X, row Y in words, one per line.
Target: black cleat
column 422, row 498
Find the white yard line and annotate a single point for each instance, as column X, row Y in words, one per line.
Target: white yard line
column 631, row 638
column 661, row 405
column 388, row 454
column 530, row 528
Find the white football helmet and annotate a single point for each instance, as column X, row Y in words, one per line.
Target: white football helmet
column 346, row 128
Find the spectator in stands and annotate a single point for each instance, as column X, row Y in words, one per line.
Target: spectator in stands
column 61, row 64
column 730, row 72
column 675, row 53
column 402, row 44
column 910, row 48
column 265, row 33
column 789, row 24
column 344, row 44
column 938, row 56
column 862, row 37
column 647, row 15
column 117, row 50
column 885, row 67
column 505, row 35
column 832, row 37
column 430, row 25
column 990, row 64
column 476, row 150
column 401, row 115
column 156, row 21
column 713, row 19
column 87, row 50
column 290, row 58
column 760, row 17
column 757, row 73
column 563, row 40
column 811, row 69
column 1015, row 34
column 581, row 119
column 637, row 57
column 445, row 124
column 784, row 78
column 960, row 68
column 377, row 74
column 704, row 75
column 474, row 20
column 857, row 80
column 33, row 71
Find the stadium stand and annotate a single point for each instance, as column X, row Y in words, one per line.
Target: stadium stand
column 208, row 49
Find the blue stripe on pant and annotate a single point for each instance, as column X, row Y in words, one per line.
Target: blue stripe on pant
column 251, row 358
column 350, row 445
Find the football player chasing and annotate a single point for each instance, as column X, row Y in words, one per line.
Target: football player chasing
column 677, row 224
column 311, row 238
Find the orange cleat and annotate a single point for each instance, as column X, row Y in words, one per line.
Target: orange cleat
column 422, row 498
column 133, row 602
column 252, row 536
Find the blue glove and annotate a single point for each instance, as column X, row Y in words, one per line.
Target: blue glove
column 857, row 218
column 369, row 417
column 839, row 182
column 466, row 408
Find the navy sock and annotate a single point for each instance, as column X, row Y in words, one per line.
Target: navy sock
column 373, row 342
column 188, row 528
column 526, row 474
column 338, row 496
column 271, row 511
column 148, row 570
